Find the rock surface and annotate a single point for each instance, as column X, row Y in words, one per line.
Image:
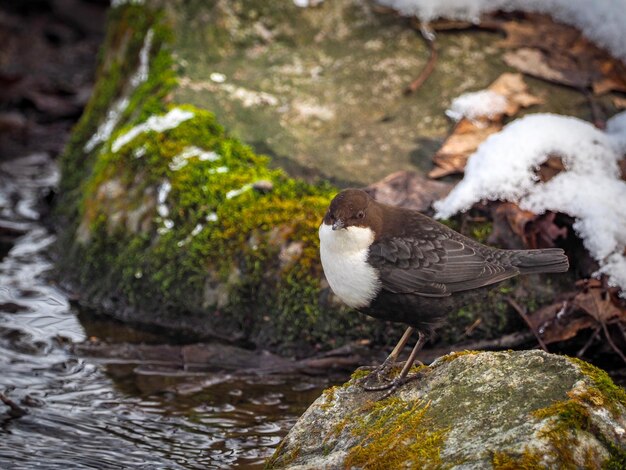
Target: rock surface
column 471, row 410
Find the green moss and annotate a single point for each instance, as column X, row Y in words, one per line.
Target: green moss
column 612, row 394
column 393, row 433
column 617, row 459
column 480, row 231
column 568, row 418
column 358, row 374
column 329, row 397
column 278, row 460
column 127, row 30
column 454, row 355
column 526, row 461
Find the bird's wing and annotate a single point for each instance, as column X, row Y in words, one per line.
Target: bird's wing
column 434, row 264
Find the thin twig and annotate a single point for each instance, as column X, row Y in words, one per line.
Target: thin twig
column 596, row 112
column 522, row 313
column 610, row 340
column 429, row 37
column 589, row 342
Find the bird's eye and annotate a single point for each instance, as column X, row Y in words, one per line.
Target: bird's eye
column 360, row 215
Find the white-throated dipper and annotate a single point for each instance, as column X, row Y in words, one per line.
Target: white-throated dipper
column 397, row 264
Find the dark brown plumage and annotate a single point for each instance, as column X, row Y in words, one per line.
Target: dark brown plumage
column 424, row 268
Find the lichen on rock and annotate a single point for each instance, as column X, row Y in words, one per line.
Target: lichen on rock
column 473, row 410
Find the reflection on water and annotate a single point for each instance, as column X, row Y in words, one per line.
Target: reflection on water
column 86, row 412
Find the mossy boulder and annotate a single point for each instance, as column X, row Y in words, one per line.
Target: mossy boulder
column 170, row 220
column 471, row 410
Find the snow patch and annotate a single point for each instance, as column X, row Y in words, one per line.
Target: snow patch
column 141, row 75
column 590, row 189
column 162, row 194
column 307, row 3
column 106, row 128
column 602, row 22
column 154, row 123
column 217, row 77
column 196, row 230
column 237, row 192
column 119, row 3
column 180, row 161
column 484, row 103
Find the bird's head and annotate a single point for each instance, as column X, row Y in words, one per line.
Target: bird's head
column 352, row 208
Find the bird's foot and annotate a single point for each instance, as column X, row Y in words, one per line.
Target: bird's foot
column 390, row 386
column 378, row 373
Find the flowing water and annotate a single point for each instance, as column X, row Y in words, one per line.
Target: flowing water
column 88, row 412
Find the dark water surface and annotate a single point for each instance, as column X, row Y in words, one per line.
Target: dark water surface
column 85, row 412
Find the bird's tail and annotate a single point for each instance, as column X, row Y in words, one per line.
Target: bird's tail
column 548, row 260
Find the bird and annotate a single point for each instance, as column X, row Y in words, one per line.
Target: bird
column 400, row 265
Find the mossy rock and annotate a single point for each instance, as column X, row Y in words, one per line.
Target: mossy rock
column 170, row 220
column 473, row 410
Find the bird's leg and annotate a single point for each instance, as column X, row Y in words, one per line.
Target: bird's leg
column 403, row 377
column 380, row 371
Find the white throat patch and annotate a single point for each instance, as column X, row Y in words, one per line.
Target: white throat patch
column 344, row 259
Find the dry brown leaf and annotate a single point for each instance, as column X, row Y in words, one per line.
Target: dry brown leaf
column 591, row 307
column 619, row 102
column 556, row 323
column 464, row 140
column 537, row 64
column 550, row 168
column 596, row 302
column 560, row 53
column 408, row 189
column 536, row 231
column 468, row 135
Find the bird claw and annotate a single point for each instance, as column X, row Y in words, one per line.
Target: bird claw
column 390, row 387
column 378, row 373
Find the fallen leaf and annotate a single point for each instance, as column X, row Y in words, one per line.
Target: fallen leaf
column 464, row 140
column 408, row 189
column 596, row 301
column 469, row 134
column 536, row 63
column 511, row 223
column 590, row 307
column 561, row 54
column 550, row 168
column 619, row 102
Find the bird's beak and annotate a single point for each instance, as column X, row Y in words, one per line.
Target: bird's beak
column 338, row 224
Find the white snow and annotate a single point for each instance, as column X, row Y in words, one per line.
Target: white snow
column 212, row 217
column 603, row 22
column 106, row 128
column 217, row 77
column 119, row 3
column 219, row 169
column 590, row 189
column 141, row 75
column 237, row 192
column 180, row 161
column 162, row 193
column 196, row 230
column 170, row 120
column 307, row 3
column 484, row 103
